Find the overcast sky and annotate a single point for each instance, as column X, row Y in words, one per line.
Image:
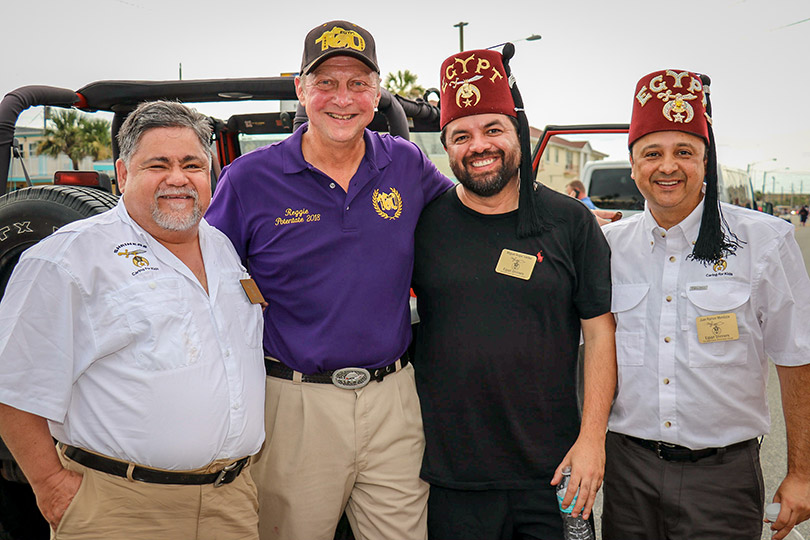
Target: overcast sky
column 583, row 70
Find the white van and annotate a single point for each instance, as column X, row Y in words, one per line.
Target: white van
column 610, row 187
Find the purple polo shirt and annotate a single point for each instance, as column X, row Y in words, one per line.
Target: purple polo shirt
column 335, row 267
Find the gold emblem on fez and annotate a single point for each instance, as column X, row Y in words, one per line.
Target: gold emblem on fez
column 675, row 106
column 387, row 205
column 466, row 91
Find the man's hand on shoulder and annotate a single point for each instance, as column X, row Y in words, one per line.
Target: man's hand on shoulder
column 55, row 493
column 603, row 217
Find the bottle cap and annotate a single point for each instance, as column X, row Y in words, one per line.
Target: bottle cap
column 772, row 511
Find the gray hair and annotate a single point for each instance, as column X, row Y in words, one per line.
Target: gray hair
column 160, row 114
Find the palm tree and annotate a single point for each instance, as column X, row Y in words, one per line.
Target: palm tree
column 96, row 134
column 76, row 136
column 404, row 84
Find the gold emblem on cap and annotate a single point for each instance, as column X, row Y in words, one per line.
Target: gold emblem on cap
column 677, row 105
column 385, row 203
column 340, row 38
column 466, row 91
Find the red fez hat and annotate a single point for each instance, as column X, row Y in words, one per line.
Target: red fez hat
column 474, row 82
column 670, row 100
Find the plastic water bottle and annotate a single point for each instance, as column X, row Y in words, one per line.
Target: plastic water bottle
column 772, row 512
column 574, row 528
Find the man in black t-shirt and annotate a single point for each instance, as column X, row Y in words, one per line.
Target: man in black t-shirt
column 506, row 275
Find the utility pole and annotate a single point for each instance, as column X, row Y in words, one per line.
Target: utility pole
column 180, row 72
column 460, row 27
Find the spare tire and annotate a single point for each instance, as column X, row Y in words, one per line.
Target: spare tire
column 28, row 215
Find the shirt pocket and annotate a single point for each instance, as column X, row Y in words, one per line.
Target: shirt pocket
column 629, row 304
column 162, row 324
column 715, row 298
column 246, row 319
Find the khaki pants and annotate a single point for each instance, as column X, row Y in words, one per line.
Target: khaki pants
column 108, row 507
column 328, row 449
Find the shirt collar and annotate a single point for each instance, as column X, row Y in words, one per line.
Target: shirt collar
column 127, row 219
column 376, row 154
column 689, row 227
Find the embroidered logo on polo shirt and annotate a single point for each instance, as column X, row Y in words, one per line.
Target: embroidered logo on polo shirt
column 134, row 251
column 719, row 269
column 297, row 215
column 387, row 205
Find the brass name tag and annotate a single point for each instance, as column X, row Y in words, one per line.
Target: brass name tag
column 715, row 328
column 515, row 264
column 252, row 291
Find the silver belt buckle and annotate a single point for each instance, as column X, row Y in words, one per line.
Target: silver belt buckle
column 225, row 470
column 351, row 378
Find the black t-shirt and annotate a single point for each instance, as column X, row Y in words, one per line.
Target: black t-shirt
column 495, row 355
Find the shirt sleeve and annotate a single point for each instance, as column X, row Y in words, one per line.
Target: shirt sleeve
column 782, row 300
column 227, row 214
column 592, row 263
column 46, row 330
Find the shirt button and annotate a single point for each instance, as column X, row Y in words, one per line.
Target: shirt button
column 672, row 259
column 652, row 243
column 667, row 424
column 667, row 339
column 663, row 235
column 152, row 285
column 332, row 185
column 666, row 381
column 669, row 299
column 227, row 353
column 347, row 208
column 235, row 407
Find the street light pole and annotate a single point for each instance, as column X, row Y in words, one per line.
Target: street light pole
column 750, row 176
column 533, row 37
column 460, row 27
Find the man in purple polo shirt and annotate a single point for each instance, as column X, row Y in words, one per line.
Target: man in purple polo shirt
column 325, row 222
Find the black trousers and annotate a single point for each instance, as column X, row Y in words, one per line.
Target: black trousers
column 647, row 498
column 494, row 514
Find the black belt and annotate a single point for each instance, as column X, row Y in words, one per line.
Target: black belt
column 154, row 476
column 350, row 378
column 675, row 452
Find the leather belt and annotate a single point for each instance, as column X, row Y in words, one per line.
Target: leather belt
column 349, row 378
column 675, row 452
column 154, row 476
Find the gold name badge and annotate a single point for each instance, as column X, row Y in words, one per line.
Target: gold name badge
column 715, row 328
column 515, row 264
column 252, row 291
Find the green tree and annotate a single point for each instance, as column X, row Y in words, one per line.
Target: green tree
column 76, row 136
column 96, row 133
column 404, row 84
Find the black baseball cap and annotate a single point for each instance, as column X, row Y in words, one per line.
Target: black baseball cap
column 338, row 38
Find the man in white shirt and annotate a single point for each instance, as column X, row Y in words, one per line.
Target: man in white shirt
column 703, row 294
column 127, row 337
